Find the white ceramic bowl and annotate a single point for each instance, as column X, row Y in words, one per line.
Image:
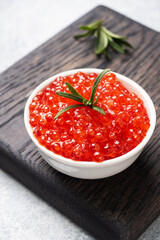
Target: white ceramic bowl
column 93, row 170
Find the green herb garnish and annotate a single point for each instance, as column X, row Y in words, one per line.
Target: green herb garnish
column 104, row 38
column 79, row 98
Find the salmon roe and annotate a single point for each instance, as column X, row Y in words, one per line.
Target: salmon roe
column 84, row 134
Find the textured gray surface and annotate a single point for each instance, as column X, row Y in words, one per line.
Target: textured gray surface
column 24, row 25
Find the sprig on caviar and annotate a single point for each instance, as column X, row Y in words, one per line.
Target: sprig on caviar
column 79, row 98
column 104, row 38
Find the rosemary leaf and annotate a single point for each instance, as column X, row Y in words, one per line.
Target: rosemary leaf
column 73, row 90
column 125, row 43
column 83, row 35
column 96, row 33
column 111, row 34
column 107, row 55
column 99, row 109
column 92, row 26
column 101, row 42
column 116, row 47
column 95, row 85
column 71, row 96
column 97, row 98
column 66, row 109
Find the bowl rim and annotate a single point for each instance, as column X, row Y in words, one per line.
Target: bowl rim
column 113, row 161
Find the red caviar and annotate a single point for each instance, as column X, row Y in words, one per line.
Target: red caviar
column 84, row 134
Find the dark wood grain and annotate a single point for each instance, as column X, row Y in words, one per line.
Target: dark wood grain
column 119, row 207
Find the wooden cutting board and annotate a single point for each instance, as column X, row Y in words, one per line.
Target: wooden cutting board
column 119, row 207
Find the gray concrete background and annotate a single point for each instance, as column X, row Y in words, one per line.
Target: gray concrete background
column 24, row 25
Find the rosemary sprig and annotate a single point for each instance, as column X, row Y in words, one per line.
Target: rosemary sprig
column 79, row 98
column 104, row 38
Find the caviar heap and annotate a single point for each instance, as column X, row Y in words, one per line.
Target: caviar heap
column 83, row 134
